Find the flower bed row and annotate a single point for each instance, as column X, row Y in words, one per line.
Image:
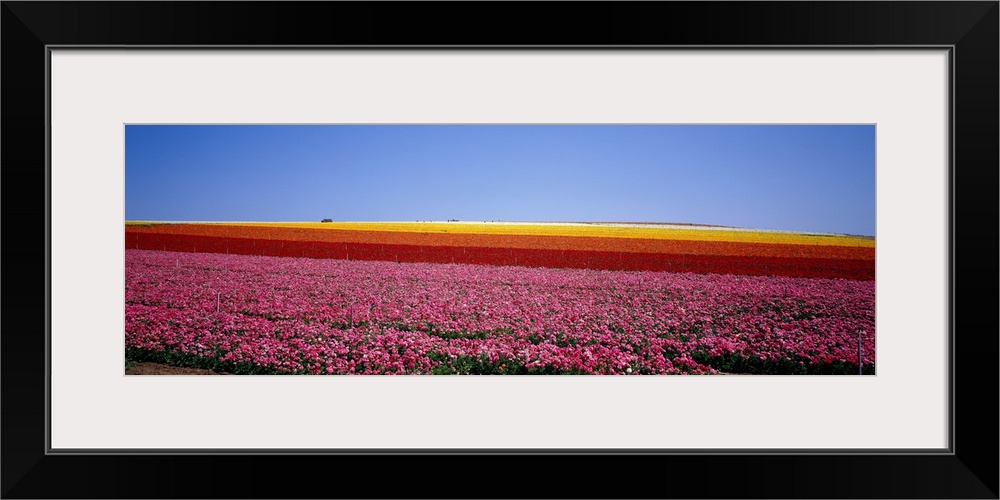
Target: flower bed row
column 253, row 314
column 592, row 229
column 135, row 234
column 855, row 269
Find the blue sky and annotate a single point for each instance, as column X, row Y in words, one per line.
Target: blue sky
column 788, row 177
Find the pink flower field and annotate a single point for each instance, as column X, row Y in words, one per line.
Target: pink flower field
column 275, row 315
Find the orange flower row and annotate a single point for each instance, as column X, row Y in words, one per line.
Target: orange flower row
column 601, row 230
column 516, row 241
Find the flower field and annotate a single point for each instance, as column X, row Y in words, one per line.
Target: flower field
column 256, row 299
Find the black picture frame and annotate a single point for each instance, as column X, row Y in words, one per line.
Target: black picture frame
column 969, row 29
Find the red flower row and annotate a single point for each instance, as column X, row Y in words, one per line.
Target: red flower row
column 855, row 269
column 549, row 242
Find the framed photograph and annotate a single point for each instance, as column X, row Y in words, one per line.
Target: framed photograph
column 126, row 115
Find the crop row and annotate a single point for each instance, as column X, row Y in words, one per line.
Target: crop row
column 531, row 257
column 525, row 241
column 293, row 315
column 598, row 230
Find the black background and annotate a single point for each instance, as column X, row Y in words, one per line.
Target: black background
column 971, row 472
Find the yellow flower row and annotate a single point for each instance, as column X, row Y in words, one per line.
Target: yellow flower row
column 593, row 230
